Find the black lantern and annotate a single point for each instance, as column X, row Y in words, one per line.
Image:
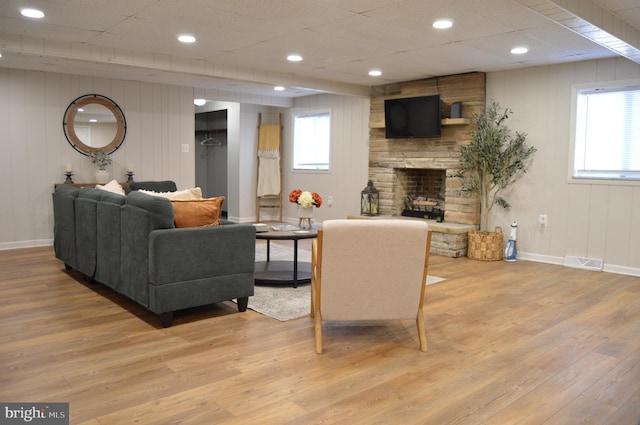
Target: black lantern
column 370, row 200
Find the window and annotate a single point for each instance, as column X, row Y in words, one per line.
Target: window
column 311, row 141
column 607, row 132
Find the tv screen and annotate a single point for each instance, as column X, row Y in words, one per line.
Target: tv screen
column 412, row 117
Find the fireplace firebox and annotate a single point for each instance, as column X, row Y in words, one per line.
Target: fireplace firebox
column 421, row 192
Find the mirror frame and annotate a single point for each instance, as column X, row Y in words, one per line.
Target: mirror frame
column 70, row 132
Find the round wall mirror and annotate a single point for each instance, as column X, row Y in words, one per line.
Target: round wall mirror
column 94, row 122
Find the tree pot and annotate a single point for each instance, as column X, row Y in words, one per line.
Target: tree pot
column 486, row 246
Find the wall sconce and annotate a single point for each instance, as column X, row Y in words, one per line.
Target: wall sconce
column 370, row 200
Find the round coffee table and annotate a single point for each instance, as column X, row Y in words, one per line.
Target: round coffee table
column 284, row 272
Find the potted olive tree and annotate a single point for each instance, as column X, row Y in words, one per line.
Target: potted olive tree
column 493, row 159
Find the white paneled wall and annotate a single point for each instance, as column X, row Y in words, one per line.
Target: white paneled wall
column 349, row 156
column 586, row 220
column 160, row 119
column 35, row 151
column 599, row 221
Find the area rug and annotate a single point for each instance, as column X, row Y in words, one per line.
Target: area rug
column 284, row 302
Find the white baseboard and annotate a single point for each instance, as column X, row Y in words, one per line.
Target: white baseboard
column 539, row 258
column 611, row 268
column 25, row 244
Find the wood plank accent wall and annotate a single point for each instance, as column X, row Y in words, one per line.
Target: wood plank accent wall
column 386, row 155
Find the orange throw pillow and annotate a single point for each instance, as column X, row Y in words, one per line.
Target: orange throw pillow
column 197, row 212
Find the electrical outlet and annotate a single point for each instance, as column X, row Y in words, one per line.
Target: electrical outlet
column 185, row 148
column 543, row 219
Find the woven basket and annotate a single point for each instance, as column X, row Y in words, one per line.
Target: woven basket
column 486, row 246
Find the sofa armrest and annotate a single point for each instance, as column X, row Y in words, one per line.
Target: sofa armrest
column 184, row 254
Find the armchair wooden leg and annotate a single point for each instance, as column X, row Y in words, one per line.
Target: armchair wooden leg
column 318, row 329
column 422, row 336
column 313, row 301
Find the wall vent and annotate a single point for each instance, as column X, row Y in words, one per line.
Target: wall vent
column 584, row 263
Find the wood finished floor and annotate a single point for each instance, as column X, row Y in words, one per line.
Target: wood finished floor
column 509, row 343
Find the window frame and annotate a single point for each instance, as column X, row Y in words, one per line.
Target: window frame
column 586, row 179
column 311, row 112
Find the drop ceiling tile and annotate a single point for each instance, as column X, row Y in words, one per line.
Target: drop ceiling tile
column 43, row 30
column 279, row 15
column 367, row 32
column 504, row 12
column 361, row 6
column 419, row 15
column 554, row 35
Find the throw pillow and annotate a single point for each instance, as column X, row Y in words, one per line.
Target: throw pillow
column 112, row 186
column 197, row 212
column 194, row 193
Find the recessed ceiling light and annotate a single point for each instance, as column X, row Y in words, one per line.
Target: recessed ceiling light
column 186, row 38
column 294, row 57
column 199, row 102
column 375, row 73
column 32, row 13
column 278, row 88
column 443, row 24
column 519, row 50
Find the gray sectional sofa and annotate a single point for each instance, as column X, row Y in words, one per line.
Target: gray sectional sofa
column 130, row 244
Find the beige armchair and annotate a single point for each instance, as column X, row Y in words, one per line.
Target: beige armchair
column 369, row 270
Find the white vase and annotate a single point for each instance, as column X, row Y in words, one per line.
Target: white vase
column 102, row 176
column 304, row 216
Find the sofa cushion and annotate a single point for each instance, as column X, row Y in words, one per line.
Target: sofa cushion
column 70, row 191
column 194, row 193
column 90, row 193
column 156, row 186
column 197, row 212
column 113, row 186
column 158, row 210
column 112, row 198
column 64, row 224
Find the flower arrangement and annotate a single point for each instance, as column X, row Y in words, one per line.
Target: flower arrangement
column 100, row 158
column 305, row 199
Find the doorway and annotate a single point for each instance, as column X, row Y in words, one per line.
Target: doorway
column 211, row 154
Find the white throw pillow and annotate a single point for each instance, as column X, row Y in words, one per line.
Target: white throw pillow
column 186, row 195
column 112, row 186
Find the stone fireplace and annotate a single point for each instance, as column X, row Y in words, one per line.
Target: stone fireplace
column 427, row 167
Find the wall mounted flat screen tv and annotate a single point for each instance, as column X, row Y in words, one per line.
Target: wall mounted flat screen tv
column 412, row 117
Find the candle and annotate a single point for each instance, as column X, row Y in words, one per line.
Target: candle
column 68, row 168
column 129, row 168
